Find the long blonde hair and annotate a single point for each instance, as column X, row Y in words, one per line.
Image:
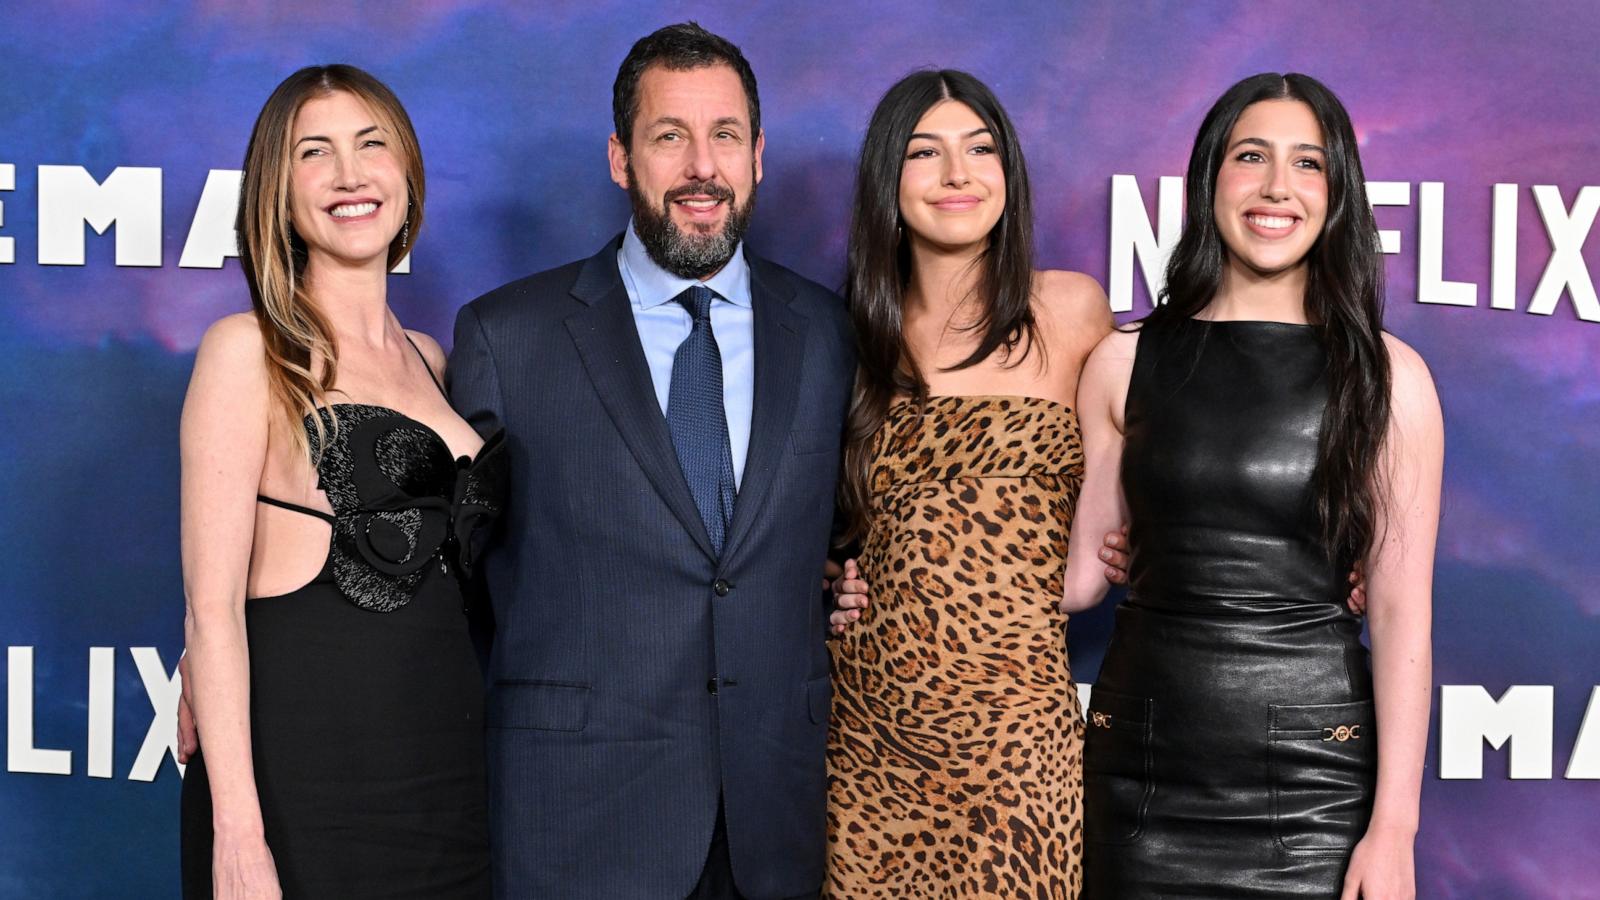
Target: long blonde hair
column 302, row 356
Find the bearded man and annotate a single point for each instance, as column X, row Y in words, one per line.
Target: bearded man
column 674, row 407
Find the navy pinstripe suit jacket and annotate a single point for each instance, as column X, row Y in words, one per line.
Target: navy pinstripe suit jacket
column 607, row 747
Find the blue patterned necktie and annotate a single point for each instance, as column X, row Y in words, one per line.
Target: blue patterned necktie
column 697, row 421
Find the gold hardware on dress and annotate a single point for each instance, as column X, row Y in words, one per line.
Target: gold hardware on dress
column 1100, row 719
column 1341, row 733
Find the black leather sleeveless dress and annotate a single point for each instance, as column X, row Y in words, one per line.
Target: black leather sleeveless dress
column 366, row 696
column 1231, row 748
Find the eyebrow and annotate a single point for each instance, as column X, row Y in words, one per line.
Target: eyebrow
column 934, row 137
column 327, row 140
column 1258, row 142
column 679, row 123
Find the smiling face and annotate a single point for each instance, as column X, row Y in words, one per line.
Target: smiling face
column 347, row 185
column 953, row 182
column 1272, row 189
column 692, row 170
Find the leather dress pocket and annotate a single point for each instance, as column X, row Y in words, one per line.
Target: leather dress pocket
column 1117, row 786
column 1324, row 765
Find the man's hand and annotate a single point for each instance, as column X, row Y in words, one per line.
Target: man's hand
column 188, row 735
column 849, row 595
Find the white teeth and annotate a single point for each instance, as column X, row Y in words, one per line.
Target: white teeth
column 1271, row 221
column 699, row 204
column 350, row 210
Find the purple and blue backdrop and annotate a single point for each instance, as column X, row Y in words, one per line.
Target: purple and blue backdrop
column 121, row 126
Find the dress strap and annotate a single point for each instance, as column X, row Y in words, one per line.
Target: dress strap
column 425, row 365
column 294, row 507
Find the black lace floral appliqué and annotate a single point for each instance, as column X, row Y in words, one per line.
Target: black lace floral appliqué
column 402, row 507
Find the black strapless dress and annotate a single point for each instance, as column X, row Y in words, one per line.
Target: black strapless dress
column 366, row 696
column 1231, row 748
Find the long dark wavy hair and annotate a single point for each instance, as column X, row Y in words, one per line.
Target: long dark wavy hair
column 880, row 264
column 1343, row 300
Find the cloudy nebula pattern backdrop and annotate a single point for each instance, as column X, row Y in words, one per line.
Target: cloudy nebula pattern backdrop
column 512, row 105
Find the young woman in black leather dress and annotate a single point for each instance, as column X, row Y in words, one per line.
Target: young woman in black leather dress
column 1260, row 434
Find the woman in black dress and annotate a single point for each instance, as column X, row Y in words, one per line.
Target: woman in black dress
column 326, row 479
column 1260, row 434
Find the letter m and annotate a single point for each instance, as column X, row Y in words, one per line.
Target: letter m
column 69, row 197
column 1523, row 720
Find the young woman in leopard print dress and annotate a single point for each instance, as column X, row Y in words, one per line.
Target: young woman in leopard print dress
column 956, row 742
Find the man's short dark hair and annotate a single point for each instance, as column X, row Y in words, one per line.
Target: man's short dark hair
column 677, row 48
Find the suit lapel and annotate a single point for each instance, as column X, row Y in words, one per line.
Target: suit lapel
column 779, row 346
column 607, row 339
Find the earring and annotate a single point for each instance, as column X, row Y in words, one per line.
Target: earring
column 405, row 230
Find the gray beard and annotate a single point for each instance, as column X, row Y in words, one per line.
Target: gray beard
column 683, row 253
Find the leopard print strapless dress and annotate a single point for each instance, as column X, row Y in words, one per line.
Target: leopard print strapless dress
column 956, row 747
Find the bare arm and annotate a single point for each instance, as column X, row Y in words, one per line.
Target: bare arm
column 1077, row 317
column 1101, row 509
column 1400, row 612
column 223, row 445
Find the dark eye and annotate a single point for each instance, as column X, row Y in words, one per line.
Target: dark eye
column 983, row 149
column 920, row 153
column 1308, row 163
column 310, row 152
column 669, row 136
column 373, row 142
column 1250, row 156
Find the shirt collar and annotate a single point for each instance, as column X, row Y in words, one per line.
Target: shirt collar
column 653, row 285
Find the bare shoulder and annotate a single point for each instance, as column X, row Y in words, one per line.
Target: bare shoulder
column 230, row 373
column 431, row 351
column 1071, row 300
column 234, row 344
column 1412, row 392
column 1405, row 361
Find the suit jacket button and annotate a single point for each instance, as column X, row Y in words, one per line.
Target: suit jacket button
column 722, row 587
column 711, row 686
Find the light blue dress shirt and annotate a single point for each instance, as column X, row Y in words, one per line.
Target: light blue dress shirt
column 663, row 325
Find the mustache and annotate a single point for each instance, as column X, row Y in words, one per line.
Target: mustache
column 700, row 188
